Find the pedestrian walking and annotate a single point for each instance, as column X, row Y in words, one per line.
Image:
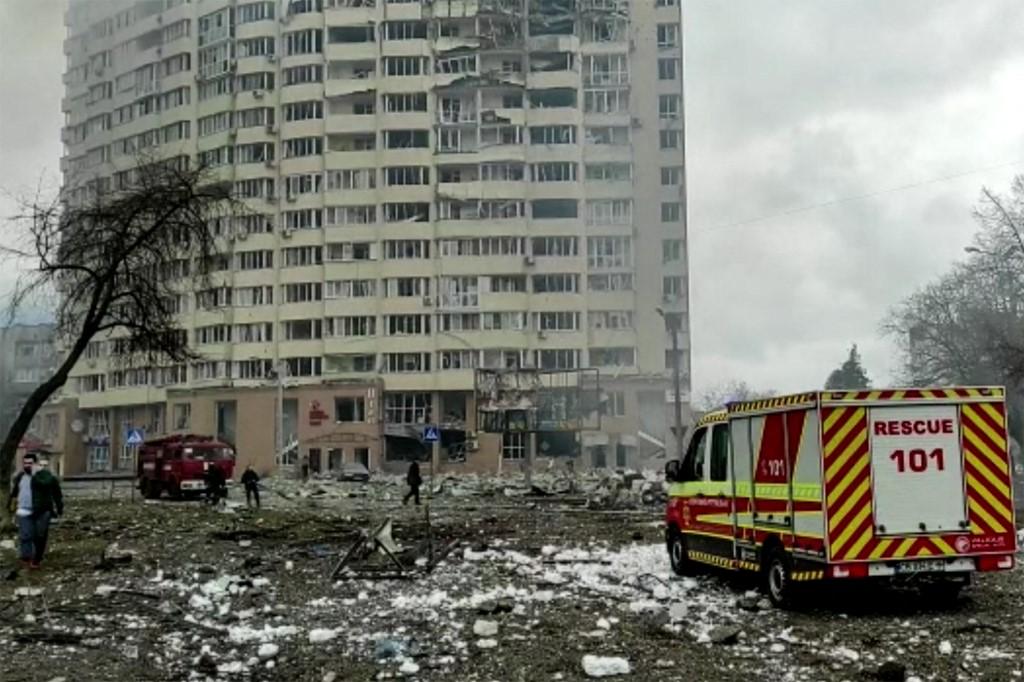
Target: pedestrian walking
column 216, row 485
column 414, row 480
column 251, row 481
column 36, row 498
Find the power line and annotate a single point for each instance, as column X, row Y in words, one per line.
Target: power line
column 857, row 197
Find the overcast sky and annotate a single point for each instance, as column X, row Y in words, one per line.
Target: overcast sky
column 790, row 103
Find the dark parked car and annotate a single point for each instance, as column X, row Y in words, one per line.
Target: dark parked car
column 352, row 471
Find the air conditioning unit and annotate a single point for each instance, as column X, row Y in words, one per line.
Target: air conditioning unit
column 258, row 94
column 427, row 301
column 286, row 233
column 529, row 260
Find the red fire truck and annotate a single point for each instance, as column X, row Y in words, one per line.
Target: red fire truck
column 830, row 485
column 178, row 464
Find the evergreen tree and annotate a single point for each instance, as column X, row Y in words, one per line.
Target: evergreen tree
column 850, row 376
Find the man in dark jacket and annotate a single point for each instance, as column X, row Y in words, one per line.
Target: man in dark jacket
column 35, row 499
column 251, row 481
column 216, row 485
column 414, row 480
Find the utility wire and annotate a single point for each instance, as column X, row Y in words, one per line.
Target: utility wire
column 856, row 197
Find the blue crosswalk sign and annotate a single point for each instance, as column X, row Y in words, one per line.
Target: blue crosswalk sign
column 430, row 435
column 134, row 437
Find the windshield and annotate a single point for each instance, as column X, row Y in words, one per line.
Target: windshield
column 208, row 454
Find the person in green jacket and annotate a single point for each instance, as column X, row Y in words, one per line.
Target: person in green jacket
column 35, row 499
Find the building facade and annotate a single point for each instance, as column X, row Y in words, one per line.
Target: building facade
column 27, row 358
column 434, row 187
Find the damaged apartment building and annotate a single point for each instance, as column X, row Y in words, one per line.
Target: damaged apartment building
column 435, row 188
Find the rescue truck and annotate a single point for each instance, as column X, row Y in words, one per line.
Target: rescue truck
column 178, row 464
column 838, row 485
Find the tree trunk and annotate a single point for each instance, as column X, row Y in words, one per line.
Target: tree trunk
column 28, row 412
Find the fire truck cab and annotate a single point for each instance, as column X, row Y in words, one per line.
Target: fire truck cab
column 831, row 485
column 178, row 464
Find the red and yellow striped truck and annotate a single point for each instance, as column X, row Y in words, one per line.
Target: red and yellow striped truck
column 847, row 484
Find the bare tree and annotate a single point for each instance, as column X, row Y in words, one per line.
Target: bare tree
column 115, row 263
column 719, row 395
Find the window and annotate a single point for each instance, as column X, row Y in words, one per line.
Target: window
column 254, row 332
column 609, row 172
column 554, row 209
column 554, row 246
column 464, row 63
column 256, row 188
column 567, row 321
column 302, row 292
column 406, row 139
column 611, row 319
column 668, row 69
column 513, row 445
column 298, row 256
column 405, row 30
column 458, row 359
column 669, row 139
column 405, row 66
column 250, row 118
column 615, row 406
column 302, row 111
column 404, row 249
column 350, row 288
column 669, row 107
column 609, row 212
column 553, row 135
column 672, row 286
column 304, row 367
column 556, row 358
column 254, row 11
column 553, row 172
column 665, row 3
column 349, row 410
column 407, row 408
column 350, row 251
column 458, row 322
column 502, row 172
column 610, row 101
column 309, row 41
column 693, row 462
column 671, row 175
column 353, row 178
column 352, row 325
column 254, row 260
column 508, row 320
column 508, row 284
column 350, row 215
column 671, row 250
column 612, row 357
column 720, row 453
column 257, row 152
column 351, row 34
column 671, row 212
column 405, row 287
column 303, row 183
column 353, row 363
column 303, row 330
column 406, row 325
column 607, row 135
column 182, row 416
column 555, row 284
column 618, row 281
column 405, row 102
column 255, row 47
column 406, row 212
column 308, row 73
column 303, row 146
column 402, row 363
column 208, row 125
column 668, row 35
column 255, row 81
column 306, row 219
column 305, row 6
column 407, row 175
column 609, row 252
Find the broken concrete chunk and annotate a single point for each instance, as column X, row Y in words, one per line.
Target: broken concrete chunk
column 485, row 628
column 605, row 666
column 725, row 634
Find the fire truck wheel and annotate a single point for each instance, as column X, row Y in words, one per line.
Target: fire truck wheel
column 778, row 583
column 150, row 489
column 678, row 554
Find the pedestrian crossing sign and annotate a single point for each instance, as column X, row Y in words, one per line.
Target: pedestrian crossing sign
column 134, row 437
column 430, row 435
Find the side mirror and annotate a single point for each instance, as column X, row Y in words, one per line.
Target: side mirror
column 672, row 470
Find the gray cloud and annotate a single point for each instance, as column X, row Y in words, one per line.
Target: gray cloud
column 798, row 102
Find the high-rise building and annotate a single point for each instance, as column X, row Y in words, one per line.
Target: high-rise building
column 435, row 187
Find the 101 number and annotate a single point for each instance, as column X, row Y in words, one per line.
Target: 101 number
column 917, row 460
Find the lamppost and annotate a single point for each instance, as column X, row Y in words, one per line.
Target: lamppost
column 672, row 326
column 279, row 373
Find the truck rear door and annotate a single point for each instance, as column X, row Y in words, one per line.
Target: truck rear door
column 916, row 474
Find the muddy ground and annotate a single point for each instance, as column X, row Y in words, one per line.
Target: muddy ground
column 176, row 591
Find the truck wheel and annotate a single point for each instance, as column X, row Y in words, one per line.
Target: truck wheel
column 678, row 554
column 150, row 489
column 778, row 578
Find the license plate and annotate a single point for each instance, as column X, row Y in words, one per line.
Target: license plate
column 921, row 566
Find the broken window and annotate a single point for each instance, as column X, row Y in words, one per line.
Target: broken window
column 350, row 409
column 350, row 34
column 513, row 445
column 406, row 139
column 551, row 61
column 556, row 358
column 459, row 64
column 407, row 212
column 552, row 17
column 551, row 98
column 407, row 408
column 542, row 209
column 613, row 357
column 352, row 363
column 610, row 135
column 303, row 330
